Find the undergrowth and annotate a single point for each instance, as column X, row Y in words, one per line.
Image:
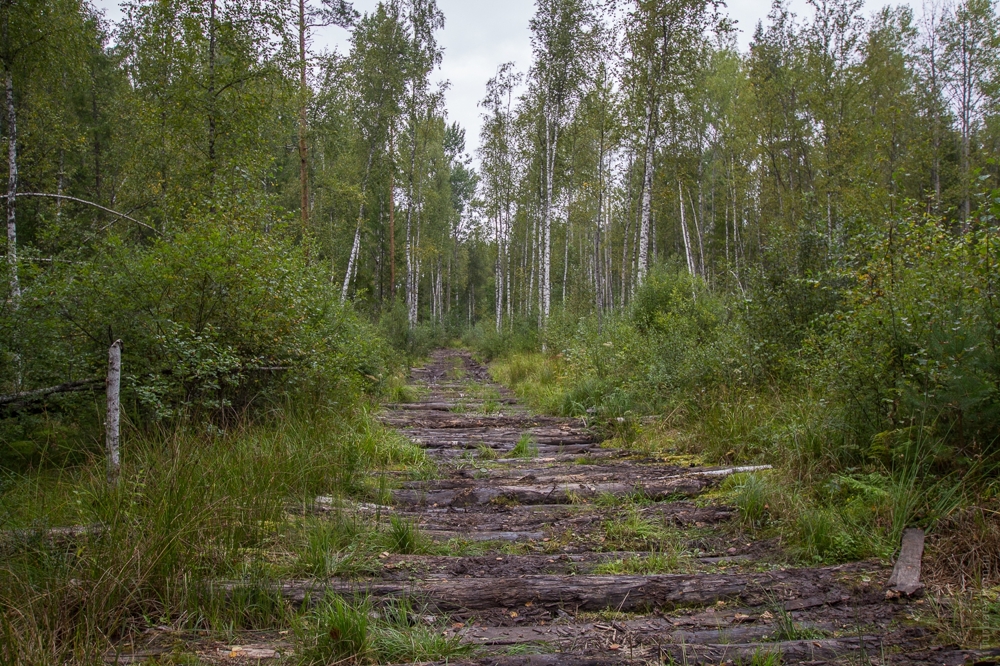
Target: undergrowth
column 190, row 508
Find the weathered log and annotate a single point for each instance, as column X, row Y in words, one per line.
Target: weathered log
column 446, row 535
column 534, row 660
column 905, row 579
column 638, row 631
column 559, row 493
column 424, row 406
column 624, row 593
column 803, row 651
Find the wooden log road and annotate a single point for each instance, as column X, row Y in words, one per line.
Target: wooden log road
column 545, row 591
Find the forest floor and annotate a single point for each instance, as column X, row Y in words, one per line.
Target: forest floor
column 547, row 547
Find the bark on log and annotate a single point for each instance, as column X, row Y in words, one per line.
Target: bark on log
column 589, row 593
column 562, row 493
column 905, row 579
column 447, row 535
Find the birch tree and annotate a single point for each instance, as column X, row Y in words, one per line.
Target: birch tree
column 971, row 37
column 425, row 55
column 665, row 40
column 563, row 44
column 379, row 49
column 328, row 13
column 500, row 174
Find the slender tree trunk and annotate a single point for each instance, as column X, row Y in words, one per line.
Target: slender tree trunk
column 438, row 296
column 697, row 229
column 598, row 273
column 414, row 312
column 626, row 236
column 15, row 285
column 498, row 273
column 534, row 263
column 303, row 121
column 410, row 281
column 112, row 423
column 684, row 233
column 551, row 140
column 392, row 217
column 647, row 195
column 211, row 105
column 356, row 246
column 568, row 239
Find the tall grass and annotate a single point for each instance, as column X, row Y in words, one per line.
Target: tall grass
column 341, row 632
column 190, row 507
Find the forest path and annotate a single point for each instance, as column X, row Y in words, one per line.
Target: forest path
column 537, row 545
column 569, row 553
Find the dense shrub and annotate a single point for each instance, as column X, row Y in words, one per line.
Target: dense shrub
column 916, row 342
column 891, row 352
column 215, row 319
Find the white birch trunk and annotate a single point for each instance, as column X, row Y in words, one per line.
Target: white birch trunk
column 440, row 292
column 647, row 193
column 569, row 238
column 684, row 233
column 414, row 290
column 112, row 424
column 15, row 284
column 697, row 229
column 535, row 261
column 356, row 246
column 552, row 139
column 598, row 272
column 410, row 259
column 499, row 273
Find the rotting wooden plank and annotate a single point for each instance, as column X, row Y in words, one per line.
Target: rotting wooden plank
column 446, row 535
column 564, row 493
column 587, row 592
column 905, row 579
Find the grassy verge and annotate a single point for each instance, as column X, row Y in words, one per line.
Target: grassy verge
column 86, row 567
column 818, row 508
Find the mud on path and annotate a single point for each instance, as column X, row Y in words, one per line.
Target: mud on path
column 591, row 555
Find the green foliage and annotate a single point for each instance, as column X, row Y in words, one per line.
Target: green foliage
column 915, row 343
column 524, row 448
column 753, row 496
column 339, row 631
column 215, row 319
column 193, row 508
column 404, row 538
column 336, row 631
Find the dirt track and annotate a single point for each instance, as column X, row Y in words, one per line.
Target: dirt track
column 547, row 520
column 578, row 554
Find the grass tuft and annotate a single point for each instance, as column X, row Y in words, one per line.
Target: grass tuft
column 525, row 448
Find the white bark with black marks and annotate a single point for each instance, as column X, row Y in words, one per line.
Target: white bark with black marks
column 112, row 424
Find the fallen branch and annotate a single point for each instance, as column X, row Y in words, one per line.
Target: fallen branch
column 83, row 201
column 69, row 387
column 729, row 471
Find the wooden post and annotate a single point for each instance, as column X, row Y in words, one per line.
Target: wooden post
column 112, row 421
column 905, row 579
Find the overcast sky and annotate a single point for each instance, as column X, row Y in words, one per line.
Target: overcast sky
column 479, row 35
